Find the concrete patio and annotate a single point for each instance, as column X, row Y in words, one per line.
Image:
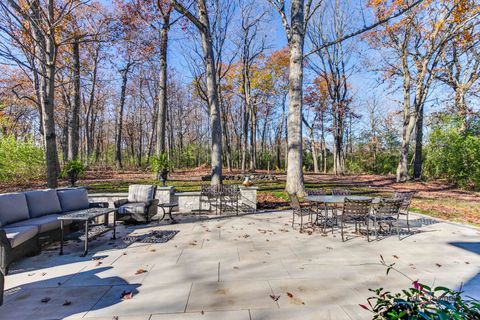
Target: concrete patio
column 234, row 268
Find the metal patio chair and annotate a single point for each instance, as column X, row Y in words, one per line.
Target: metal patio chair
column 300, row 210
column 356, row 212
column 406, row 198
column 387, row 212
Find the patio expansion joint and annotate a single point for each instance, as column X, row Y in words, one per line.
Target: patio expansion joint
column 273, row 293
column 188, row 298
column 181, row 252
column 98, row 300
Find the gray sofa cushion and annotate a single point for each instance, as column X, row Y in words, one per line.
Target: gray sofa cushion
column 73, row 199
column 43, row 202
column 140, row 193
column 18, row 235
column 13, row 208
column 44, row 224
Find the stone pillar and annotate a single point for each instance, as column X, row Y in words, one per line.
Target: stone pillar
column 248, row 199
column 164, row 194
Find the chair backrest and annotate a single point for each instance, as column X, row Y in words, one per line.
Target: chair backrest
column 356, row 208
column 341, row 192
column 209, row 190
column 405, row 197
column 316, row 192
column 388, row 207
column 141, row 192
column 230, row 189
column 294, row 201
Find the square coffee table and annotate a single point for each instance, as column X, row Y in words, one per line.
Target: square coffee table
column 91, row 230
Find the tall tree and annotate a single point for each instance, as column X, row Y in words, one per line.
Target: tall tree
column 300, row 13
column 202, row 23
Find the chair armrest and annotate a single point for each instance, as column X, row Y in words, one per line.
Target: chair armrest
column 3, row 239
column 98, row 204
column 120, row 202
column 153, row 202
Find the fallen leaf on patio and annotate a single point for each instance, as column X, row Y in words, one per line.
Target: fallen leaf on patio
column 236, row 267
column 46, row 299
column 202, row 312
column 153, row 250
column 438, row 265
column 140, row 271
column 31, row 274
column 289, row 295
column 329, row 248
column 115, row 318
column 126, row 295
column 124, row 253
column 67, row 303
column 466, row 262
column 98, row 263
column 246, row 236
column 274, row 297
column 44, row 274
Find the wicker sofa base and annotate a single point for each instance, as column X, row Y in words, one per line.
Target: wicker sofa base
column 8, row 254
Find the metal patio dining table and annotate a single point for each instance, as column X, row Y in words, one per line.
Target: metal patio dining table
column 331, row 203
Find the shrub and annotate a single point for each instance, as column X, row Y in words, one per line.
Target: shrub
column 453, row 154
column 72, row 170
column 421, row 302
column 20, row 160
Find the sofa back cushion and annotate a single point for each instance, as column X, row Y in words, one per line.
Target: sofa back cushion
column 141, row 193
column 43, row 202
column 73, row 199
column 13, row 208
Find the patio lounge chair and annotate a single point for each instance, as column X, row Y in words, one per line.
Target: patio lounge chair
column 386, row 212
column 140, row 206
column 406, row 198
column 357, row 212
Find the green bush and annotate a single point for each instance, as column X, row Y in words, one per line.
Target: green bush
column 72, row 170
column 420, row 302
column 453, row 154
column 20, row 160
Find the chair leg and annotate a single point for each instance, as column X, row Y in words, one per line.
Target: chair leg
column 368, row 230
column 301, row 223
column 375, row 227
column 293, row 220
column 343, row 238
column 408, row 223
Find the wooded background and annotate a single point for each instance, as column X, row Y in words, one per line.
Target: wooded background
column 324, row 86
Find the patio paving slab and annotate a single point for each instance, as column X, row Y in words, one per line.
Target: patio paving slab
column 235, row 295
column 147, row 299
column 28, row 305
column 216, row 315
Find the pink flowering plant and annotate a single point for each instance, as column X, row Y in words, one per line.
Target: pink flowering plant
column 420, row 302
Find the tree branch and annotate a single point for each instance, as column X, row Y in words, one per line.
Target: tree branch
column 365, row 29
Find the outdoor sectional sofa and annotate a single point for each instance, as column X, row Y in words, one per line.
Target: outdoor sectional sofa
column 28, row 219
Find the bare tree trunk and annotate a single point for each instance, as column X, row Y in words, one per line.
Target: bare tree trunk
column 253, row 140
column 74, row 117
column 295, row 98
column 89, row 114
column 417, row 164
column 162, row 94
column 119, row 124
